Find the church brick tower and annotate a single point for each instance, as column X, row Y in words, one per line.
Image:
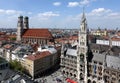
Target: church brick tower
column 19, row 28
column 26, row 22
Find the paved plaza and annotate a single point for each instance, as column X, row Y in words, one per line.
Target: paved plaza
column 55, row 77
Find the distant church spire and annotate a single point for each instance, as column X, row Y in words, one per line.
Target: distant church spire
column 83, row 27
column 83, row 16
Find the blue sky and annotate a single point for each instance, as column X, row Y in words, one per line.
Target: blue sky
column 60, row 13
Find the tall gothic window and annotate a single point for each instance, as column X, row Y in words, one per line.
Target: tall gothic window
column 81, row 57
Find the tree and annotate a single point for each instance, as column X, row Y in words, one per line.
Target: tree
column 16, row 65
column 13, row 38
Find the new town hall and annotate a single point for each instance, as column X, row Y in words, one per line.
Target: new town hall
column 89, row 62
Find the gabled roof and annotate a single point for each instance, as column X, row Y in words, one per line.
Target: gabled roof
column 37, row 33
column 98, row 57
column 72, row 52
column 101, row 48
column 113, row 62
column 115, row 50
column 7, row 46
column 38, row 55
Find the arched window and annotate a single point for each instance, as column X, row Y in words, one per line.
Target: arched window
column 63, row 72
column 89, row 81
column 81, row 57
column 81, row 76
column 67, row 73
column 74, row 75
column 94, row 82
column 71, row 74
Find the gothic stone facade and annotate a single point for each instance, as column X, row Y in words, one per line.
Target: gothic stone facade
column 89, row 63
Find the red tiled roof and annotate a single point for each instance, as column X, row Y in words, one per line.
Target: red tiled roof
column 12, row 36
column 7, row 46
column 2, row 33
column 2, row 39
column 38, row 55
column 115, row 39
column 39, row 33
column 118, row 33
column 73, row 37
column 35, row 47
column 58, row 47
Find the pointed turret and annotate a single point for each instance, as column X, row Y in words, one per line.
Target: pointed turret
column 83, row 16
column 82, row 51
column 83, row 27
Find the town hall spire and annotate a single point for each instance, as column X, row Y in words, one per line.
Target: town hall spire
column 83, row 27
column 82, row 50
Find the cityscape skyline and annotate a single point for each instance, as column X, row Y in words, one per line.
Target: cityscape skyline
column 60, row 14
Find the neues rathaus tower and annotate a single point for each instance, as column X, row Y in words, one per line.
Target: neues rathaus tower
column 82, row 51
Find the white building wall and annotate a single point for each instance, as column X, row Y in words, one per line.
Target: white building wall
column 106, row 42
column 8, row 55
column 1, row 52
column 13, row 57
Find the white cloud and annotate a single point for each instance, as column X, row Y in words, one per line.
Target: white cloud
column 73, row 4
column 57, row 3
column 2, row 11
column 48, row 14
column 84, row 2
column 44, row 16
column 10, row 12
column 81, row 3
column 114, row 14
column 8, row 18
column 29, row 13
column 13, row 12
column 100, row 12
column 99, row 17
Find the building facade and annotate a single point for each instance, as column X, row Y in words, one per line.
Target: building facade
column 115, row 41
column 89, row 62
column 26, row 35
column 40, row 62
column 100, row 32
column 69, row 63
column 74, row 59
